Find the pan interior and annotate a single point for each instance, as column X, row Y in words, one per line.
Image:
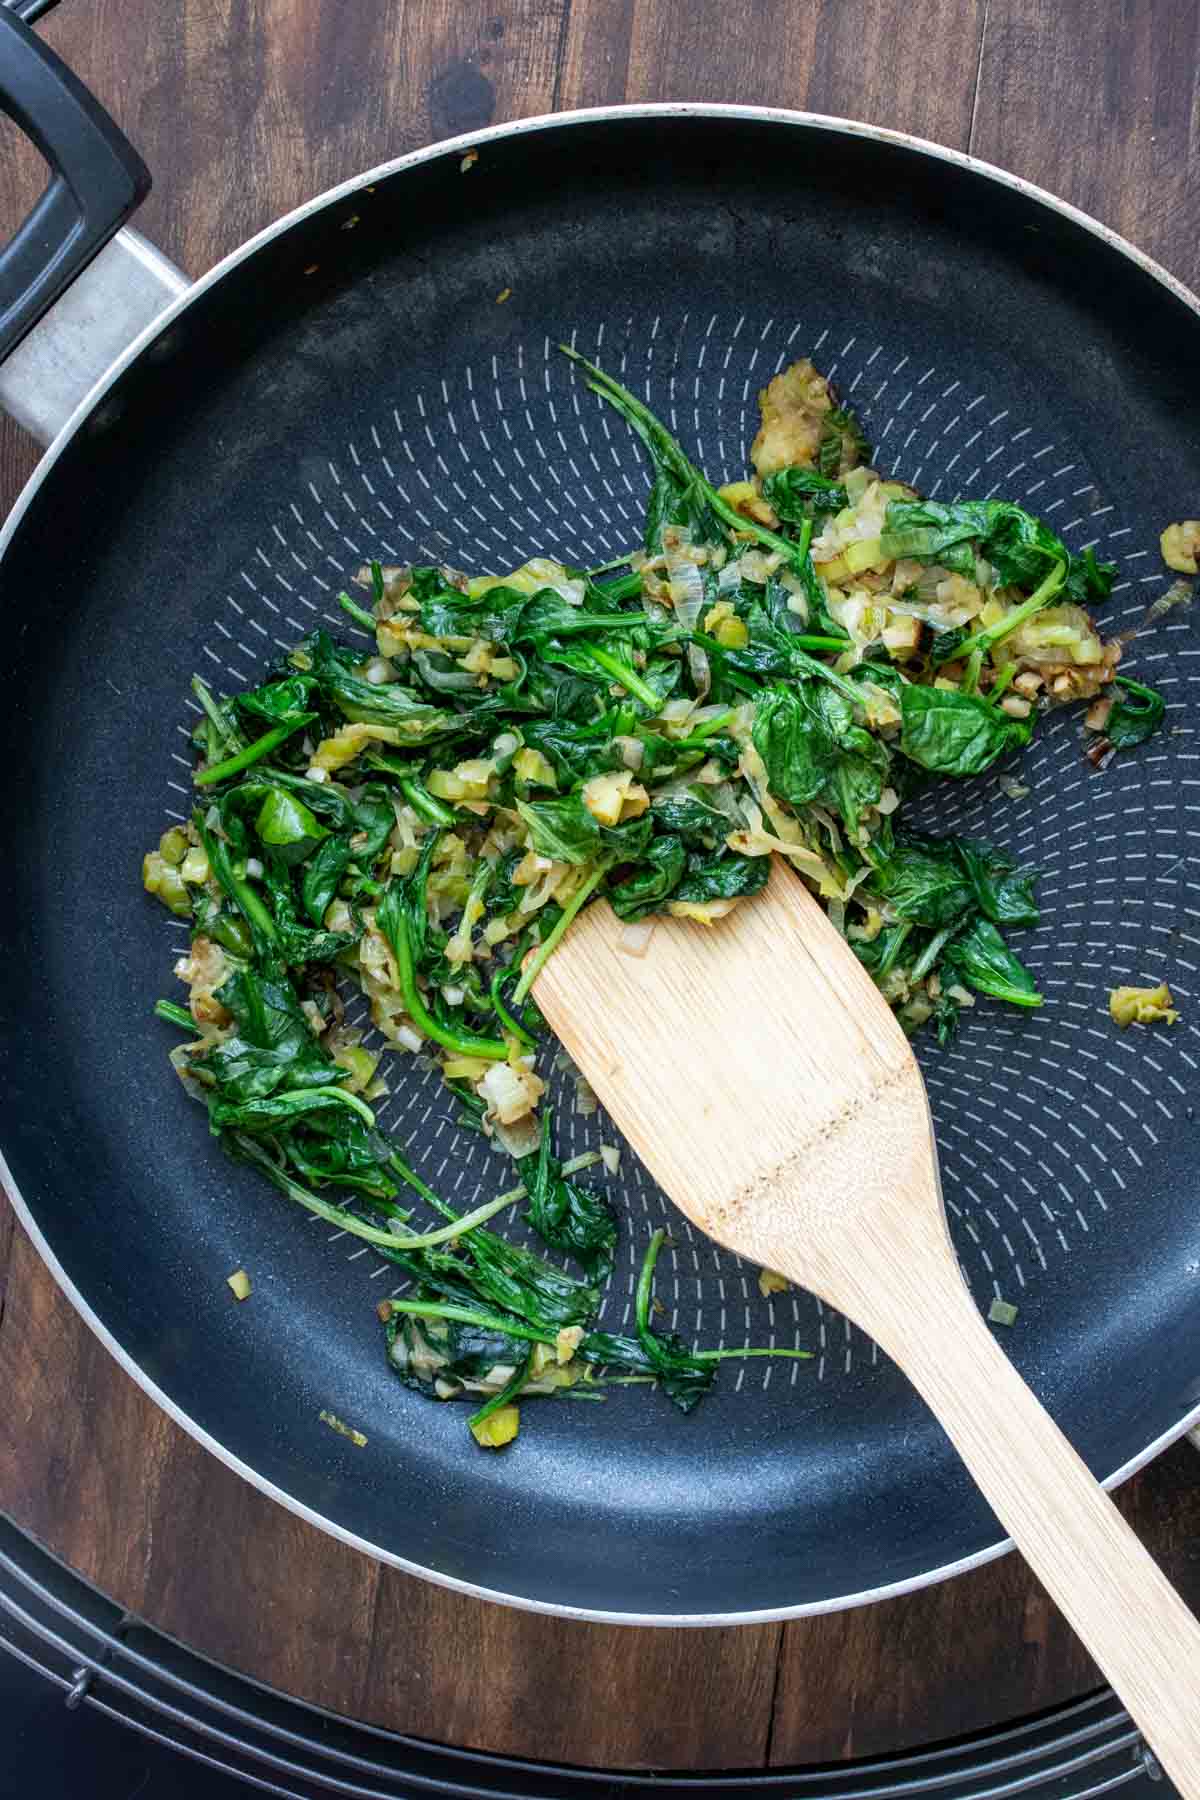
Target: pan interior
column 382, row 380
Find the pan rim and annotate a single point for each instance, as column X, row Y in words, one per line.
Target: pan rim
column 450, row 147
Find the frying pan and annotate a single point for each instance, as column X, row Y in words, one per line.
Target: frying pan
column 350, row 385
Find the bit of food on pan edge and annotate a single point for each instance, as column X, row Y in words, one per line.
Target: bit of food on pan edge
column 784, row 661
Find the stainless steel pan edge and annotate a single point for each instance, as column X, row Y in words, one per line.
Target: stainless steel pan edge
column 61, row 374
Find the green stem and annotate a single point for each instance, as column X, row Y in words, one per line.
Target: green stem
column 656, row 437
column 263, row 746
column 358, row 613
column 463, row 1043
column 893, row 950
column 628, row 587
column 340, row 1095
column 337, row 1215
column 618, row 562
column 228, row 736
column 628, row 677
column 645, row 1292
column 932, row 950
column 544, row 951
column 174, row 1015
column 466, row 1315
column 509, row 1391
column 709, row 729
column 413, row 1180
column 1003, row 677
column 1042, row 595
column 238, row 889
column 424, row 804
column 502, row 1013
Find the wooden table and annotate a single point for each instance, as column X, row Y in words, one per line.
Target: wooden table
column 242, row 108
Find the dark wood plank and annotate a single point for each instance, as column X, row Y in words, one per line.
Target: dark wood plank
column 986, row 1646
column 913, row 72
column 93, row 1470
column 245, row 108
column 1101, row 104
column 506, row 1670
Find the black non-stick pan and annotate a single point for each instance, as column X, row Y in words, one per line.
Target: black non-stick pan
column 349, row 385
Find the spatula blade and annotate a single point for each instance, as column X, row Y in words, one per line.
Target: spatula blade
column 735, row 1055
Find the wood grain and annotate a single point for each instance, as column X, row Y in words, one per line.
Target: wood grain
column 1122, row 137
column 93, row 1470
column 243, row 108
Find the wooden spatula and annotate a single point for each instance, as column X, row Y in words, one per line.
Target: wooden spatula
column 765, row 1084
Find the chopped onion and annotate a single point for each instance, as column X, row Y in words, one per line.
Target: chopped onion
column 1012, row 789
column 610, row 1156
column 519, row 1139
column 412, row 1040
column 634, row 939
column 687, row 592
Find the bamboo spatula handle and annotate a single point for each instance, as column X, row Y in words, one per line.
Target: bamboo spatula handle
column 1094, row 1567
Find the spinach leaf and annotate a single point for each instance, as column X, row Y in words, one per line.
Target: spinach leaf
column 271, row 1046
column 952, row 733
column 814, row 750
column 506, row 1277
column 652, row 882
column 563, row 829
column 1020, row 547
column 575, row 1220
column 364, row 828
column 362, row 702
column 725, row 876
column 1137, row 713
column 984, row 961
column 1003, row 892
column 842, row 440
column 575, row 752
column 448, row 613
column 423, row 1350
column 798, row 494
column 924, row 882
column 279, row 701
column 682, row 1379
column 287, row 828
column 692, row 814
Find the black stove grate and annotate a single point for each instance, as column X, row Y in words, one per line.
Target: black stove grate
column 67, row 1632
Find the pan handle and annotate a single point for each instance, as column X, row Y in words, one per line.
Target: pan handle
column 70, row 255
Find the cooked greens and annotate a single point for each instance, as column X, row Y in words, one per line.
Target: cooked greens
column 782, row 662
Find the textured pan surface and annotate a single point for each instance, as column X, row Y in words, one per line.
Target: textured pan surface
column 356, row 390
